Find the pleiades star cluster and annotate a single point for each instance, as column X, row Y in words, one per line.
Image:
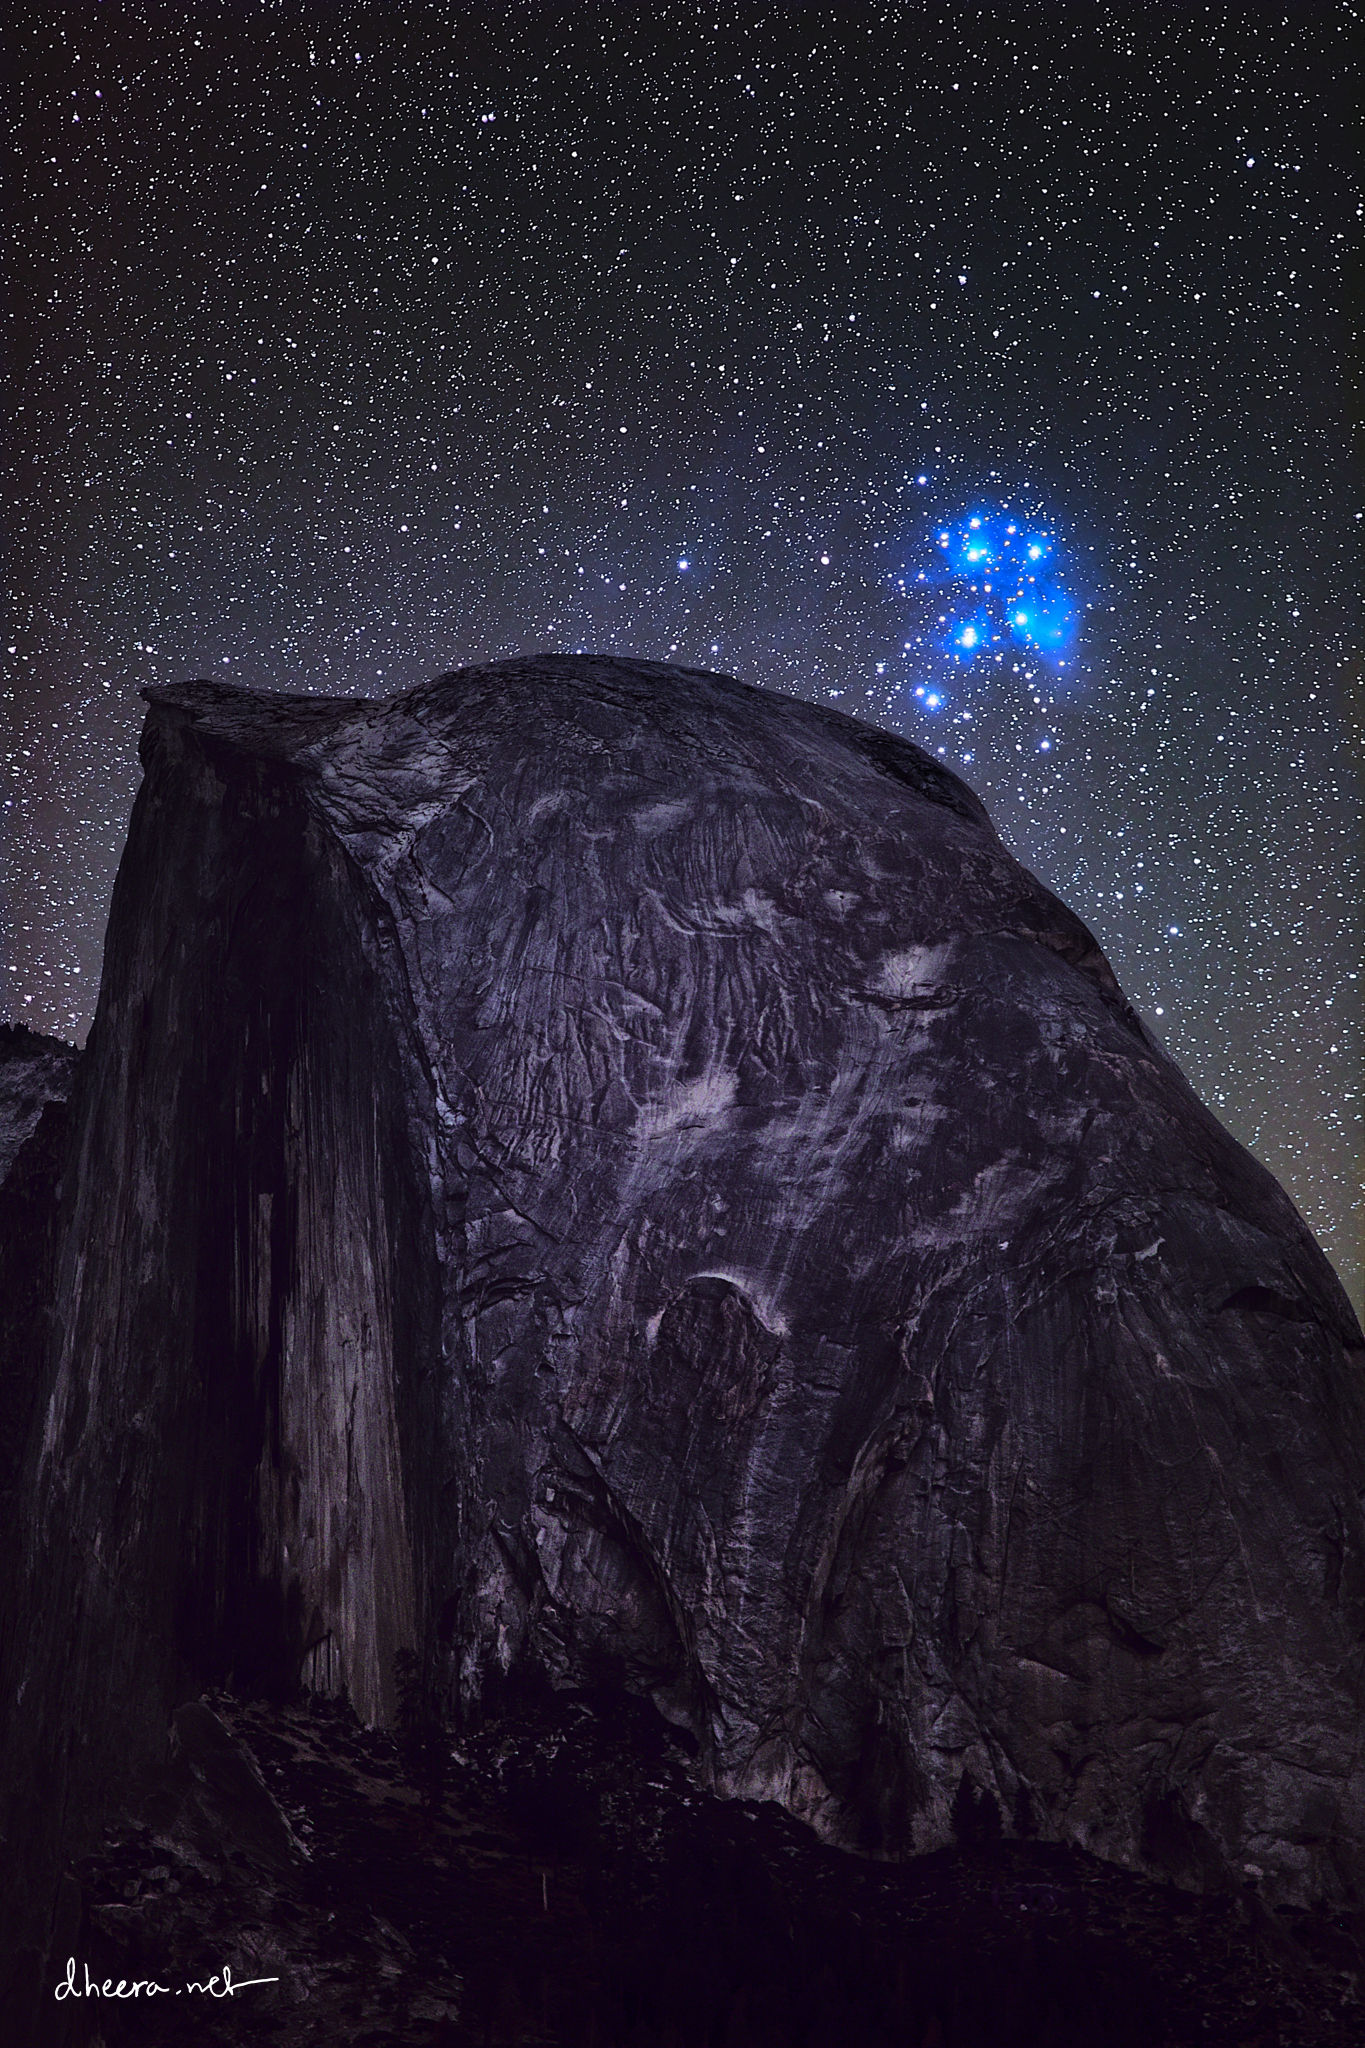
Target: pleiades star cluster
column 979, row 371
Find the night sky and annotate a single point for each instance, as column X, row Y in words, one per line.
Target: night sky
column 981, row 371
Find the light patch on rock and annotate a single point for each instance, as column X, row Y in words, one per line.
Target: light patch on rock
column 911, row 971
column 759, row 1297
column 692, row 1106
column 659, row 817
column 752, row 909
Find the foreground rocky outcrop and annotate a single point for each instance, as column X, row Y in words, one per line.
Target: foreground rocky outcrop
column 593, row 1169
column 558, row 1877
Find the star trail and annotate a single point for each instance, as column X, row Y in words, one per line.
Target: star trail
column 978, row 371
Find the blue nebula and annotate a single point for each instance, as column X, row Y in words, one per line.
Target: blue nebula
column 1045, row 620
column 1004, row 580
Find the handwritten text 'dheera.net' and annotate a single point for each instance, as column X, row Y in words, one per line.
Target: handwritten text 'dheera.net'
column 219, row 1985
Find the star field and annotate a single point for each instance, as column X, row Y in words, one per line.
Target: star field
column 977, row 371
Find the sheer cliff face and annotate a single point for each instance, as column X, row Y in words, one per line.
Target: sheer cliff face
column 36, row 1078
column 595, row 1166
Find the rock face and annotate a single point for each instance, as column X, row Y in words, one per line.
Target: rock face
column 591, row 1166
column 37, row 1075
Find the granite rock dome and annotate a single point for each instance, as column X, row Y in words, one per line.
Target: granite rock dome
column 594, row 1168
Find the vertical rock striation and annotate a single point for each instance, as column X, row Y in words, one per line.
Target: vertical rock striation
column 591, row 1166
column 37, row 1075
